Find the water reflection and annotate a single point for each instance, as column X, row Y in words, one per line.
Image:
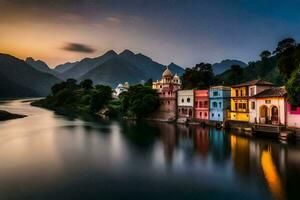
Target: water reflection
column 50, row 156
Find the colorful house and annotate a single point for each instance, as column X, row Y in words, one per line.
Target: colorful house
column 167, row 88
column 185, row 104
column 293, row 116
column 240, row 98
column 201, row 108
column 268, row 107
column 219, row 102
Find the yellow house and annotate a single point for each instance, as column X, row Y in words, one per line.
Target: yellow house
column 240, row 95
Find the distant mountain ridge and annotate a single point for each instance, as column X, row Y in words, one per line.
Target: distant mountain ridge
column 224, row 65
column 19, row 79
column 64, row 67
column 113, row 65
column 41, row 66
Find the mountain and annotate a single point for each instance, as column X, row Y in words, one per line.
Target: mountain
column 224, row 65
column 114, row 71
column 41, row 66
column 151, row 68
column 64, row 67
column 266, row 70
column 22, row 79
column 87, row 64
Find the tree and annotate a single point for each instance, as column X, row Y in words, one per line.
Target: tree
column 288, row 60
column 86, row 84
column 100, row 98
column 149, row 82
column 293, row 88
column 284, row 45
column 265, row 54
column 199, row 77
column 139, row 100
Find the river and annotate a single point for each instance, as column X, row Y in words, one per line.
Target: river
column 50, row 156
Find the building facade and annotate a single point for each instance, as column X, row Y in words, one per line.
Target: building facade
column 201, row 105
column 185, row 104
column 268, row 107
column 219, row 103
column 293, row 116
column 167, row 91
column 240, row 95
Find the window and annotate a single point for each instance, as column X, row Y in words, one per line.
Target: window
column 240, row 106
column 251, row 91
column 169, row 92
column 236, row 93
column 205, row 114
column 267, row 101
column 236, row 106
column 212, row 114
column 200, row 114
column 218, row 115
column 205, row 104
column 241, row 93
column 220, row 104
column 179, row 110
column 168, row 102
column 182, row 100
column 253, row 105
column 196, row 104
column 188, row 100
column 164, row 93
column 215, row 93
column 244, row 106
column 160, row 86
column 215, row 104
column 200, row 104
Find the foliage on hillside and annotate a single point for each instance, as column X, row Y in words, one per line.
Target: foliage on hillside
column 68, row 96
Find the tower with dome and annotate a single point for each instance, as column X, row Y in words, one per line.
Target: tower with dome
column 167, row 89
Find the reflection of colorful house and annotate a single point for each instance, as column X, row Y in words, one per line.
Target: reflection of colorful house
column 167, row 88
column 240, row 98
column 293, row 116
column 185, row 104
column 268, row 107
column 219, row 101
column 201, row 106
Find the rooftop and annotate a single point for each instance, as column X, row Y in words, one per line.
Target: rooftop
column 272, row 92
column 254, row 82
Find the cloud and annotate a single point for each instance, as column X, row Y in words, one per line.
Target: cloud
column 77, row 47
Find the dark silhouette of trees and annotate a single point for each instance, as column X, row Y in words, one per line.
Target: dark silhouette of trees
column 293, row 88
column 199, row 77
column 86, row 84
column 265, row 54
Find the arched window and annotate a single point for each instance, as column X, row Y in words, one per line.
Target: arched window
column 188, row 100
column 182, row 100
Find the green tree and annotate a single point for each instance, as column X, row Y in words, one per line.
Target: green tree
column 293, row 88
column 265, row 54
column 139, row 100
column 100, row 98
column 199, row 77
column 86, row 84
column 284, row 45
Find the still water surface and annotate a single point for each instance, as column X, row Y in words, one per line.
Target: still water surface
column 50, row 156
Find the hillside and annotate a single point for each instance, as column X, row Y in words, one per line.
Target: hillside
column 114, row 71
column 20, row 79
column 87, row 64
column 64, row 67
column 41, row 66
column 224, row 65
column 265, row 69
column 151, row 68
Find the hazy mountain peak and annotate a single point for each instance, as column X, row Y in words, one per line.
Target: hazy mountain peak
column 111, row 53
column 127, row 52
column 222, row 66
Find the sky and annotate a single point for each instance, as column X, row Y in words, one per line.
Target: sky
column 185, row 32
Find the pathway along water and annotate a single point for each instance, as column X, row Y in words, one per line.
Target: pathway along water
column 49, row 156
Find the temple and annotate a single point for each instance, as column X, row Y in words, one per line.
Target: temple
column 167, row 89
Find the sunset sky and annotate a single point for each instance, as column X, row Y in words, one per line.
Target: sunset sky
column 182, row 31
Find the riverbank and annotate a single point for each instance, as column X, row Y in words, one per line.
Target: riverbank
column 4, row 115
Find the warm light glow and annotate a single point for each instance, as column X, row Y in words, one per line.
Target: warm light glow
column 271, row 175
